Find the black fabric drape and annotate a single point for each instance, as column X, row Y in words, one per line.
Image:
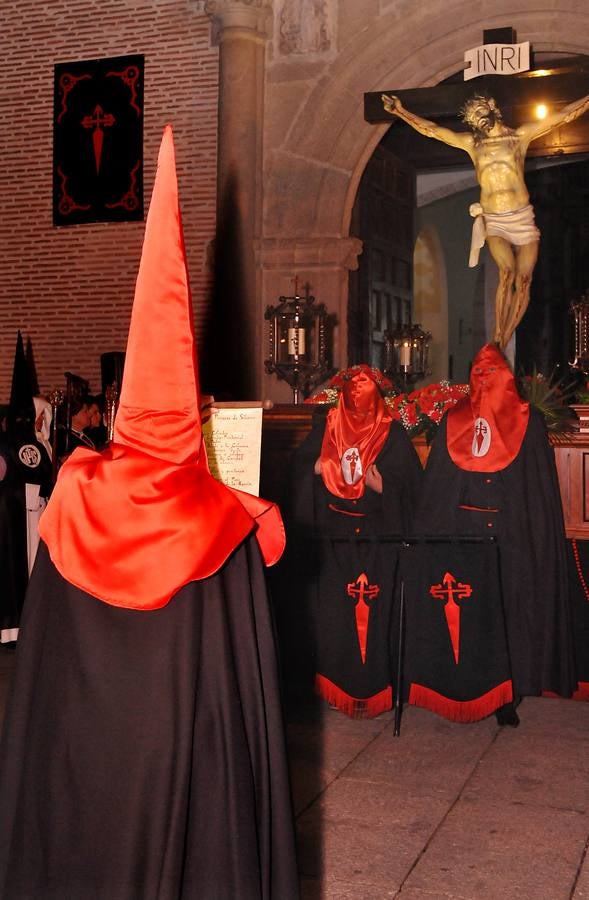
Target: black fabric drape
column 143, row 752
column 332, row 543
column 27, row 461
column 521, row 506
column 456, row 658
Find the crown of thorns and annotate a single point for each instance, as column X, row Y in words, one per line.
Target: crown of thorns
column 467, row 111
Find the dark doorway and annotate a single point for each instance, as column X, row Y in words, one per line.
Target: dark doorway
column 380, row 289
column 560, row 195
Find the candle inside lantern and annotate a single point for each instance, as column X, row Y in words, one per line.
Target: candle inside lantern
column 405, row 354
column 296, row 341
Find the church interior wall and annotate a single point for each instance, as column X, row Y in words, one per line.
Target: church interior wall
column 430, row 298
column 317, row 142
column 450, row 219
column 70, row 289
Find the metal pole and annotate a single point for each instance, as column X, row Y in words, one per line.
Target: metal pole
column 398, row 705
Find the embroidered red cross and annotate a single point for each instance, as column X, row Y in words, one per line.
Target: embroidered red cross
column 448, row 590
column 352, row 457
column 362, row 590
column 97, row 121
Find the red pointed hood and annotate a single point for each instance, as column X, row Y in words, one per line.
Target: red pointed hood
column 355, row 433
column 486, row 428
column 159, row 403
column 134, row 523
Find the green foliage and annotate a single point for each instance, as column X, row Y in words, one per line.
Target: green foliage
column 551, row 396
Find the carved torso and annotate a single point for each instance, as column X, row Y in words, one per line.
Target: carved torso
column 499, row 164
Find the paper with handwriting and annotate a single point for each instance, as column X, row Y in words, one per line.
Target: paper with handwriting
column 233, row 439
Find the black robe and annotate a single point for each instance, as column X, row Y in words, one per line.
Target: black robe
column 143, row 752
column 343, row 572
column 528, row 525
column 27, row 461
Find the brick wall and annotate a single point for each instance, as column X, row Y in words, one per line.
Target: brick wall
column 70, row 289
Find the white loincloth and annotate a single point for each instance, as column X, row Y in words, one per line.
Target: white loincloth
column 517, row 227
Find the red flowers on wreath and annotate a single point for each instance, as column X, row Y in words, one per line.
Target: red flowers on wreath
column 419, row 412
column 422, row 410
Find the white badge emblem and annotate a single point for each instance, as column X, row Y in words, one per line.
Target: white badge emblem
column 351, row 465
column 29, row 455
column 481, row 442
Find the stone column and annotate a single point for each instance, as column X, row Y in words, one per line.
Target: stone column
column 241, row 31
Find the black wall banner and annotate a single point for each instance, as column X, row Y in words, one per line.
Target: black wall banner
column 98, row 141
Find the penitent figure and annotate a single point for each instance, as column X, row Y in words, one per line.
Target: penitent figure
column 504, row 217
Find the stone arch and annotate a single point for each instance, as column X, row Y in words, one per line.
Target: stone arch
column 314, row 165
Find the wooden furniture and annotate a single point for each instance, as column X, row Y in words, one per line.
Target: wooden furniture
column 284, row 428
column 572, row 464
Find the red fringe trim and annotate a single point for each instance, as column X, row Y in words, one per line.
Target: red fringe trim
column 582, row 692
column 461, row 710
column 354, row 707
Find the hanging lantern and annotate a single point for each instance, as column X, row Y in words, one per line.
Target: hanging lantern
column 580, row 313
column 298, row 342
column 406, row 351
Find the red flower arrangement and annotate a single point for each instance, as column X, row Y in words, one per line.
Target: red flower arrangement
column 419, row 412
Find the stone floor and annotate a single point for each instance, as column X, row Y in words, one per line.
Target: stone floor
column 468, row 812
column 443, row 812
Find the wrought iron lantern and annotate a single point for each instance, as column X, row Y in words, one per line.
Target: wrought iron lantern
column 406, row 351
column 298, row 342
column 580, row 314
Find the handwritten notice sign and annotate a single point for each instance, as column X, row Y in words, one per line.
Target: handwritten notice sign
column 497, row 59
column 233, row 438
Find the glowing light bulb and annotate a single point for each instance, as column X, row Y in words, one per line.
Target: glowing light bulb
column 541, row 111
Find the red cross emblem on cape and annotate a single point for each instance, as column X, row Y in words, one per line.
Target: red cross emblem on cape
column 482, row 437
column 451, row 590
column 362, row 590
column 351, row 466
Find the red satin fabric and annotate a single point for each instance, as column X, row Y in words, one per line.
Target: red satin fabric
column 115, row 517
column 493, row 397
column 361, row 420
column 269, row 527
column 159, row 408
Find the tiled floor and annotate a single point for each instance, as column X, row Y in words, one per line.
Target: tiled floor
column 471, row 812
column 443, row 812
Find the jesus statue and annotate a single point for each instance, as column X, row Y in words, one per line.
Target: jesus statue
column 504, row 216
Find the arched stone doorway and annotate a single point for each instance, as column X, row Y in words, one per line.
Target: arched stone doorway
column 317, row 147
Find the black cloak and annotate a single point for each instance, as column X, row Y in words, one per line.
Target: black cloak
column 143, row 752
column 343, row 556
column 27, row 462
column 521, row 506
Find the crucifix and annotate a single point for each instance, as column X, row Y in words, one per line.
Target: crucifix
column 503, row 217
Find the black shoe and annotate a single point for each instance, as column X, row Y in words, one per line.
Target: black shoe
column 506, row 715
